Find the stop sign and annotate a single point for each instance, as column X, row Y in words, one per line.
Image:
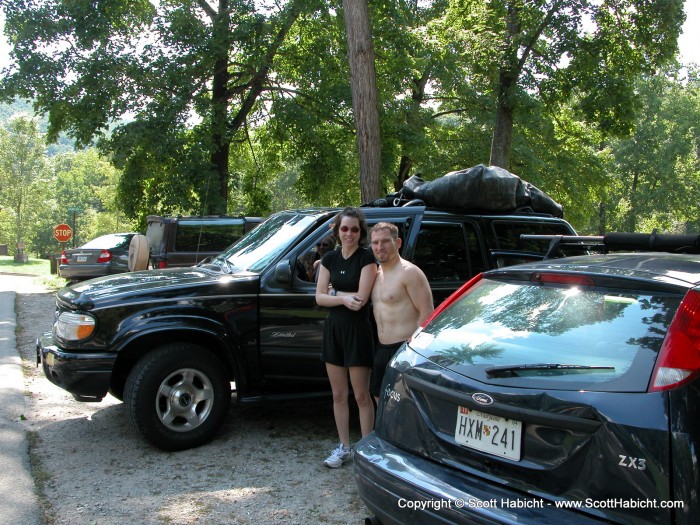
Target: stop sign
column 62, row 232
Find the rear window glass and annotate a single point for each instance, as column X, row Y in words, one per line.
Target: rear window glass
column 441, row 253
column 516, row 334
column 154, row 233
column 116, row 240
column 202, row 236
column 508, row 234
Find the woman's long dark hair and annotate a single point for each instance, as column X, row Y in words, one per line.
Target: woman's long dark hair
column 355, row 213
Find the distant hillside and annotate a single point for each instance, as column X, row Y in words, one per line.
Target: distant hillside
column 7, row 111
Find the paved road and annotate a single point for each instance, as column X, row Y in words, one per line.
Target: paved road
column 18, row 502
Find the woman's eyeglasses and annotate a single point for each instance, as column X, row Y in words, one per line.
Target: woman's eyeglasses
column 324, row 245
column 354, row 229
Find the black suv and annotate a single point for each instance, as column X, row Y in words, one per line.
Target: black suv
column 184, row 241
column 172, row 342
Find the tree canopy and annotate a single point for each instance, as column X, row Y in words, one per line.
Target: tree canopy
column 554, row 51
column 187, row 73
column 22, row 172
column 245, row 107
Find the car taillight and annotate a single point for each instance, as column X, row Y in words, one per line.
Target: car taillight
column 105, row 256
column 162, row 264
column 64, row 259
column 679, row 358
column 562, row 278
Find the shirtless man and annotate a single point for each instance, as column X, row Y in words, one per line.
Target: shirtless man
column 401, row 299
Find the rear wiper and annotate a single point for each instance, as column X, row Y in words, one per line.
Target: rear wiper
column 547, row 368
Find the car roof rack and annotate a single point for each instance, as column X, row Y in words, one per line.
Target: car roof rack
column 398, row 201
column 619, row 241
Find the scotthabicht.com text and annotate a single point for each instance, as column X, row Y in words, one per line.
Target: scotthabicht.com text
column 503, row 503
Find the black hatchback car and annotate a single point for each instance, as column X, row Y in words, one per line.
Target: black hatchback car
column 559, row 391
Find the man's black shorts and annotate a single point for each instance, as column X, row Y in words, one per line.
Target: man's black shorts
column 382, row 356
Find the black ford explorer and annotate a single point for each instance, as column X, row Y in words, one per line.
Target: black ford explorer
column 174, row 343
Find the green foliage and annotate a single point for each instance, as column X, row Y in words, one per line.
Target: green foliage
column 37, row 191
column 655, row 176
column 281, row 110
column 23, row 174
column 32, row 266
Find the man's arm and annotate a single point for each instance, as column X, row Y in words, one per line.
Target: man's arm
column 418, row 290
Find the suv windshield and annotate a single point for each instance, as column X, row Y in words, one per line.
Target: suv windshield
column 516, row 334
column 266, row 242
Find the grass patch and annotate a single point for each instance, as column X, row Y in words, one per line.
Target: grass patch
column 41, row 478
column 40, row 267
column 53, row 282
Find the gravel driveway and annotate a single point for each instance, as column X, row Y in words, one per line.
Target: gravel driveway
column 90, row 467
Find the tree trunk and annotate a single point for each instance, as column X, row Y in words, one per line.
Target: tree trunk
column 217, row 194
column 405, row 165
column 502, row 134
column 507, row 85
column 223, row 127
column 364, row 96
column 216, row 200
column 632, row 213
column 415, row 123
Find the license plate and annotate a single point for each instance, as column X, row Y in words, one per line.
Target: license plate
column 488, row 433
column 81, row 258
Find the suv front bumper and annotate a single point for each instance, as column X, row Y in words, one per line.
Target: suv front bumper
column 85, row 375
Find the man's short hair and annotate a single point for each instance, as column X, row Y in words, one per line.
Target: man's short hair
column 393, row 229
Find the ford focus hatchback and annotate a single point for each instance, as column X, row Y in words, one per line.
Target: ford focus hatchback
column 562, row 391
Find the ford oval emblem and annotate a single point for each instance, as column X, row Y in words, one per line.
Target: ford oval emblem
column 482, row 399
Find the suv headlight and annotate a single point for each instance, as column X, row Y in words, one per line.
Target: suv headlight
column 74, row 327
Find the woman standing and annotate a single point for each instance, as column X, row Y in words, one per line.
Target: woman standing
column 348, row 343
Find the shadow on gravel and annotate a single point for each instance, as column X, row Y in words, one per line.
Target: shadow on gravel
column 265, row 466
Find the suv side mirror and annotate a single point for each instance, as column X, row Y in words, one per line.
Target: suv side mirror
column 283, row 272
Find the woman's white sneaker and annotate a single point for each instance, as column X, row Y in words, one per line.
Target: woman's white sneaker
column 339, row 456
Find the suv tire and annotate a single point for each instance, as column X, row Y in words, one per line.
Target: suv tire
column 178, row 396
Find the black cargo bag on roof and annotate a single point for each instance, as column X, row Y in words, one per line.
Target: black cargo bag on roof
column 488, row 188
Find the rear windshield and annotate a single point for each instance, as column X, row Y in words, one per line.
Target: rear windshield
column 115, row 240
column 526, row 335
column 207, row 236
column 508, row 234
column 154, row 232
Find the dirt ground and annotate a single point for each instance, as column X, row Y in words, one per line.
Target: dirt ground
column 265, row 466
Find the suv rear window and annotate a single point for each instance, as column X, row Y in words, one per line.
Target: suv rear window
column 207, row 236
column 605, row 340
column 443, row 255
column 154, row 232
column 508, row 234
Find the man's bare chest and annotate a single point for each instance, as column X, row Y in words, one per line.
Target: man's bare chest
column 389, row 289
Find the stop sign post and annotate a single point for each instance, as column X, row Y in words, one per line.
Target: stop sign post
column 63, row 233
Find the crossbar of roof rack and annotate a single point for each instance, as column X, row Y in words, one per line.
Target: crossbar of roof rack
column 621, row 241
